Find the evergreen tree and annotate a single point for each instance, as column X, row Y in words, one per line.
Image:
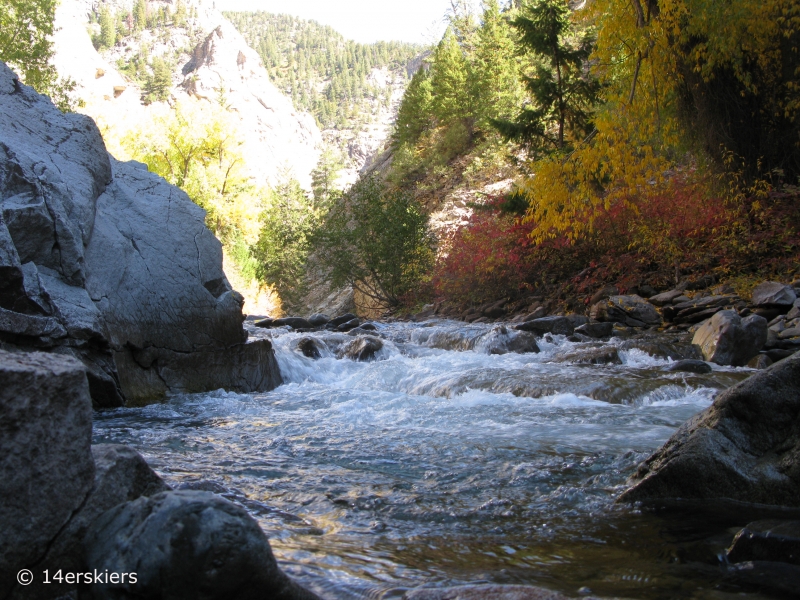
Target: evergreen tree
column 140, row 15
column 450, row 79
column 414, row 114
column 157, row 86
column 562, row 92
column 108, row 28
column 496, row 68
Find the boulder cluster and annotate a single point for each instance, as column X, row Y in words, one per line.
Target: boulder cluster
column 727, row 329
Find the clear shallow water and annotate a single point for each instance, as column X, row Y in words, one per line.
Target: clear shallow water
column 443, row 463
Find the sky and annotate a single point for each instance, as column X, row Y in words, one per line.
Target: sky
column 418, row 21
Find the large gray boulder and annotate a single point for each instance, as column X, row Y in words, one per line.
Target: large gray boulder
column 773, row 294
column 107, row 262
column 46, row 466
column 744, row 447
column 727, row 339
column 186, row 544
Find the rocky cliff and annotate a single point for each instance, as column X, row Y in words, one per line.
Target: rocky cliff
column 107, row 262
column 213, row 61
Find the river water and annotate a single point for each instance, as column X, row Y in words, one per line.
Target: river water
column 443, row 462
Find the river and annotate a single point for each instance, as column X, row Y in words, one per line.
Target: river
column 443, row 462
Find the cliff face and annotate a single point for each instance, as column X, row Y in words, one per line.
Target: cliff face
column 109, row 263
column 213, row 62
column 278, row 139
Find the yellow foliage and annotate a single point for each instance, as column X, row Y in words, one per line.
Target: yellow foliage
column 641, row 47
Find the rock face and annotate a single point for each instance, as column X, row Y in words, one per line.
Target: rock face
column 46, row 466
column 727, row 339
column 745, row 446
column 109, row 263
column 186, row 544
column 276, row 135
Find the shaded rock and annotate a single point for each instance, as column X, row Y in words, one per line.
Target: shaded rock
column 577, row 320
column 646, row 291
column 596, row 330
column 554, row 325
column 46, row 463
column 665, row 297
column 361, row 349
column 522, row 343
column 318, row 319
column 310, row 347
column 537, row 313
column 745, row 446
column 771, row 294
column 771, row 540
column 265, row 323
column 760, row 361
column 349, row 325
column 776, row 354
column 293, row 322
column 690, row 366
column 33, row 326
column 121, row 475
column 334, row 323
column 774, row 576
column 632, row 311
column 484, row 592
column 604, row 293
column 185, row 544
column 592, row 356
column 495, row 309
column 149, row 373
column 727, row 339
column 369, row 327
column 661, row 347
column 698, row 309
column 794, row 312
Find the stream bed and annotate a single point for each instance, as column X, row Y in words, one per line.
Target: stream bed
column 445, row 461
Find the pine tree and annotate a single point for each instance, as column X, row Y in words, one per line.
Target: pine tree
column 495, row 66
column 563, row 93
column 140, row 15
column 414, row 114
column 108, row 28
column 450, row 81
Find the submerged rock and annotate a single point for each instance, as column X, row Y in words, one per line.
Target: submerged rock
column 186, row 544
column 688, row 365
column 485, row 592
column 334, row 323
column 727, row 339
column 775, row 541
column 745, row 446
